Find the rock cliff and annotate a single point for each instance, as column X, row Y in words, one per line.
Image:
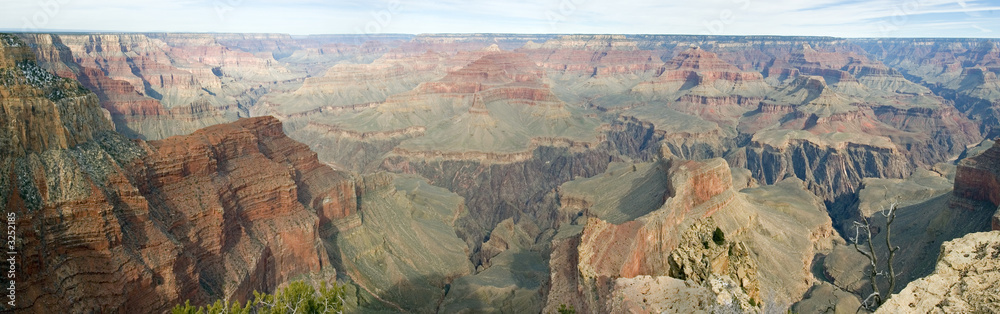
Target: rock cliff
column 961, row 70
column 677, row 239
column 109, row 224
column 978, row 179
column 217, row 214
column 42, row 111
column 158, row 85
column 964, row 280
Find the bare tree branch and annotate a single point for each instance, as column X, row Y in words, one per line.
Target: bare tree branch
column 876, row 298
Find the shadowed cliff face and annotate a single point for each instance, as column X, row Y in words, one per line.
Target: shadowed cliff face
column 977, row 181
column 978, row 178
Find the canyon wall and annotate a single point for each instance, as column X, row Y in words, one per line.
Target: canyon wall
column 674, row 245
column 978, row 179
column 106, row 223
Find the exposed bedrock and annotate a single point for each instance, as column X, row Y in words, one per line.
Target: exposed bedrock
column 629, row 238
column 978, row 180
column 159, row 85
column 834, row 173
column 109, row 224
column 935, row 134
column 494, row 192
column 965, row 279
column 641, row 140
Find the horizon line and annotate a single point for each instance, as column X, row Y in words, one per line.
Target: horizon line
column 57, row 32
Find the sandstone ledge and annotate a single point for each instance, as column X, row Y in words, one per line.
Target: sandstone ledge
column 966, row 280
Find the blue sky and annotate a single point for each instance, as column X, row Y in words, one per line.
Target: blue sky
column 841, row 18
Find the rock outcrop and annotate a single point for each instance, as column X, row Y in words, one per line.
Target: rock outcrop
column 965, row 280
column 42, row 111
column 643, row 294
column 833, row 165
column 978, row 178
column 245, row 194
column 678, row 239
column 218, row 214
column 108, row 224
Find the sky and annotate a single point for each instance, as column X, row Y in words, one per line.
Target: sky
column 839, row 18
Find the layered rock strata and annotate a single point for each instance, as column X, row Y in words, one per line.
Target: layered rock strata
column 108, row 224
column 978, row 178
column 677, row 239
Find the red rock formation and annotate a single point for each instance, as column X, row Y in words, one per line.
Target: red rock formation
column 697, row 59
column 836, row 64
column 699, row 83
column 148, row 81
column 260, row 188
column 859, row 67
column 810, row 57
column 708, row 67
column 592, row 56
column 41, row 111
column 638, row 247
column 978, row 179
column 496, row 69
column 113, row 225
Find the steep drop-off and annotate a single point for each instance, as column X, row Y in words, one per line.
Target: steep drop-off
column 965, row 279
column 109, row 224
column 671, row 239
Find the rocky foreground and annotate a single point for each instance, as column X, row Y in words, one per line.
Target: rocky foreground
column 964, row 281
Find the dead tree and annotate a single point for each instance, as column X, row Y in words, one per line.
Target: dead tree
column 876, row 298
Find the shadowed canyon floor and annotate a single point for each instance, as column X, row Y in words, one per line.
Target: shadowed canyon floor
column 497, row 173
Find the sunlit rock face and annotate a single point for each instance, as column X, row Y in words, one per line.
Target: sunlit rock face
column 109, row 224
column 632, row 239
column 965, row 279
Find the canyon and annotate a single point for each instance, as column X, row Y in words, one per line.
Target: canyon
column 493, row 172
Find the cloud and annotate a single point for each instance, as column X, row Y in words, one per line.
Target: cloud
column 845, row 18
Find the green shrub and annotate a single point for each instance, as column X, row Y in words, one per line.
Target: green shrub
column 564, row 310
column 297, row 297
column 718, row 237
